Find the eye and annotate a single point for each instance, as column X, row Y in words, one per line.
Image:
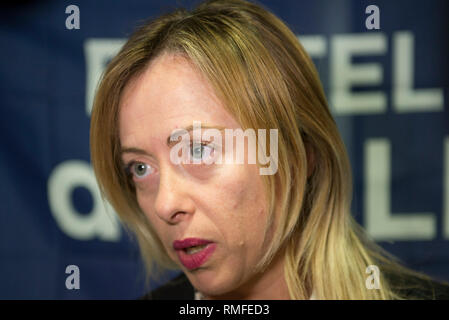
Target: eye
column 139, row 169
column 201, row 151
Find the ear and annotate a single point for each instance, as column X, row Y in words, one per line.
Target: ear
column 310, row 158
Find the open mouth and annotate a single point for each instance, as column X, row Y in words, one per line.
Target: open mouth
column 194, row 249
column 193, row 252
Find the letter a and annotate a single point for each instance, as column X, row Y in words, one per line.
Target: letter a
column 373, row 20
column 72, row 281
column 373, row 281
column 72, row 21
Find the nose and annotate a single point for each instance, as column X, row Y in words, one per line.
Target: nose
column 173, row 203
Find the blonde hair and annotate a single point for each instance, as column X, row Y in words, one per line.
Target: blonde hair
column 265, row 78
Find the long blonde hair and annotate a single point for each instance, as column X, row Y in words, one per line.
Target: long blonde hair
column 265, row 78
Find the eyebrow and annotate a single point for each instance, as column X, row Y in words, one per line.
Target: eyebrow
column 134, row 150
column 169, row 142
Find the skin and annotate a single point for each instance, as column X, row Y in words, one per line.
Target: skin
column 223, row 203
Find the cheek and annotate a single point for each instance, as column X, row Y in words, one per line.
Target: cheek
column 146, row 204
column 244, row 207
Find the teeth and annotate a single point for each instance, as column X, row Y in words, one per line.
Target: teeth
column 195, row 249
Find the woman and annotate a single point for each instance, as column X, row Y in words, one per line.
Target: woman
column 232, row 66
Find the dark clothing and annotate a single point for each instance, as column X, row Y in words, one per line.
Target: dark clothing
column 415, row 288
column 180, row 288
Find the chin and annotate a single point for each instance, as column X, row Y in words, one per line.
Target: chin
column 210, row 283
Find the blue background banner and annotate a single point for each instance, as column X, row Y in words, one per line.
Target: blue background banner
column 387, row 88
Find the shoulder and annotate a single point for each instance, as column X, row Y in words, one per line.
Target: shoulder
column 419, row 288
column 179, row 288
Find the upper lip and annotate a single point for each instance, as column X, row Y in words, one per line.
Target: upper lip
column 189, row 242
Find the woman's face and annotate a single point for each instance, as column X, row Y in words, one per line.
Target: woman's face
column 224, row 204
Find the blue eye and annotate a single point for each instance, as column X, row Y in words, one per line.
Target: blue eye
column 200, row 151
column 140, row 169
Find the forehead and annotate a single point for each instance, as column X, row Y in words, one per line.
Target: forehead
column 171, row 93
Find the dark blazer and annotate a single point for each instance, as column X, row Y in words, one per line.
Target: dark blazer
column 180, row 288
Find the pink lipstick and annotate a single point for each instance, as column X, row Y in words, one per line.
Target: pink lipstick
column 193, row 252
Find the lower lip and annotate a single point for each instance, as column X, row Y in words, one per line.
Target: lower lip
column 196, row 260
